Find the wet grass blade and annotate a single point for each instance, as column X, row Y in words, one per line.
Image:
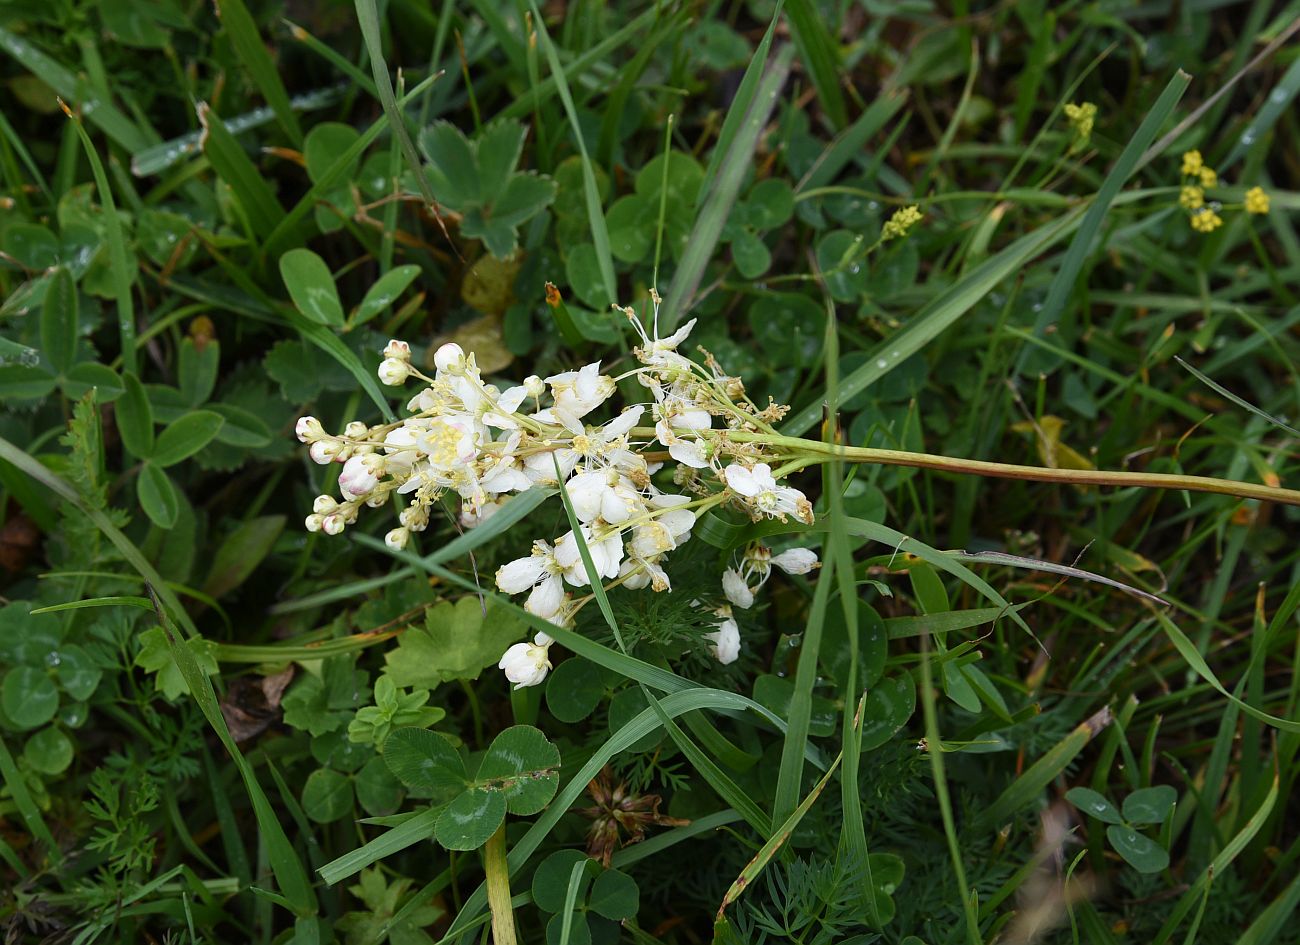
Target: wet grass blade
column 123, row 275
column 252, row 52
column 712, row 215
column 22, row 798
column 740, row 105
column 817, row 50
column 261, row 208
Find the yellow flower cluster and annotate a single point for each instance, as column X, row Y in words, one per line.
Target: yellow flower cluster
column 1199, row 176
column 1081, row 117
column 1256, row 200
column 898, row 225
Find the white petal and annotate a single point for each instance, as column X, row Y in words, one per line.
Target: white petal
column 726, row 641
column 742, row 480
column 623, row 422
column 546, row 598
column 796, row 560
column 737, row 591
column 521, row 574
column 688, row 453
column 586, row 490
column 509, row 401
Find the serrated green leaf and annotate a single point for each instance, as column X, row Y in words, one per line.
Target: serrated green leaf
column 242, row 428
column 456, row 642
column 184, row 437
column 135, row 418
column 453, row 170
column 157, row 495
column 156, row 657
column 311, row 286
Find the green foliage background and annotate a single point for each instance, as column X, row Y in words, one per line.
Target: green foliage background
column 217, row 727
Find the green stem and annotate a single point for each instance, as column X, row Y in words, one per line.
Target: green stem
column 498, row 887
column 977, row 467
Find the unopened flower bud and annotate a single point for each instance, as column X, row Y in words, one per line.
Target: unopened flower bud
column 358, row 477
column 325, row 450
column 356, row 430
column 324, row 505
column 450, row 358
column 313, row 523
column 309, row 430
column 397, row 349
column 332, row 524
column 526, row 664
column 534, row 386
column 394, row 371
column 397, row 539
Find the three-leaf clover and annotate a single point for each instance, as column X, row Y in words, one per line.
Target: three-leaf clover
column 519, row 773
column 1150, row 805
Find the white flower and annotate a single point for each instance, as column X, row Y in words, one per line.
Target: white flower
column 603, row 494
column 737, row 591
column 397, row 539
column 726, row 639
column 308, row 430
column 578, row 393
column 540, row 573
column 526, row 664
column 397, row 349
column 359, row 477
column 394, row 371
column 606, row 554
column 756, row 485
column 796, row 561
column 449, row 442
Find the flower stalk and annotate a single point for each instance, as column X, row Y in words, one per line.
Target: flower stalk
column 498, row 887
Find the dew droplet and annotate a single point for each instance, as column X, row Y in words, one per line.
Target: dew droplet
column 53, row 658
column 855, row 269
column 881, row 363
column 1278, row 96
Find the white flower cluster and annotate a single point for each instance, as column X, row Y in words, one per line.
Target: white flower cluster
column 483, row 443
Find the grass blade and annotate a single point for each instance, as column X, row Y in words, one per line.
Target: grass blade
column 248, row 45
column 1063, row 284
column 595, row 214
column 123, row 276
column 938, row 315
column 712, row 215
column 817, row 50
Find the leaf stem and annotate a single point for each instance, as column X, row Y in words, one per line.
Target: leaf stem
column 498, row 887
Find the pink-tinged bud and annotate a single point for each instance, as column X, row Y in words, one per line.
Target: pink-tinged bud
column 332, row 524
column 309, row 430
column 325, row 451
column 397, row 349
column 358, row 477
column 450, row 358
